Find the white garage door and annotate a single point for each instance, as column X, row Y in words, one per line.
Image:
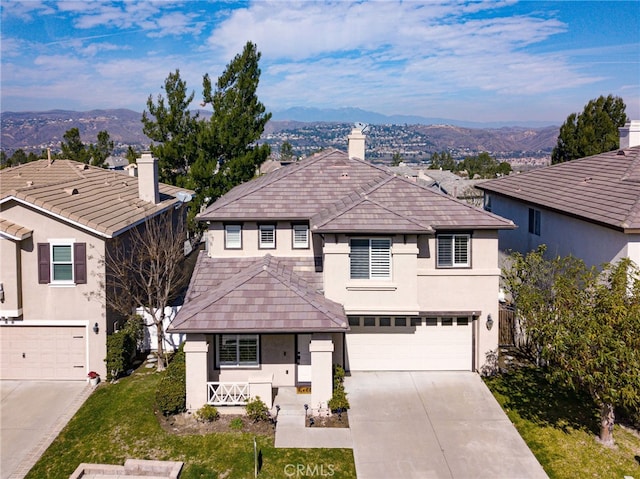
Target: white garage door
column 409, row 344
column 43, row 352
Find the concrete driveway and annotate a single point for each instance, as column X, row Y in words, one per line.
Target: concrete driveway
column 433, row 425
column 32, row 413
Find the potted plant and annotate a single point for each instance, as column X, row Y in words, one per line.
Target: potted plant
column 94, row 378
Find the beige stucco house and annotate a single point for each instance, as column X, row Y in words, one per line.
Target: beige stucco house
column 588, row 208
column 57, row 218
column 333, row 260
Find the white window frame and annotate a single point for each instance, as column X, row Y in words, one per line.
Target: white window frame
column 304, row 244
column 376, row 257
column 450, row 240
column 237, row 363
column 263, row 242
column 229, row 241
column 57, row 243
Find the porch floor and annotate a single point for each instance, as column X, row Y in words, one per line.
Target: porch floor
column 291, row 430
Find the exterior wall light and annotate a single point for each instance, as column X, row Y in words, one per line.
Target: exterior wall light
column 489, row 322
column 96, row 329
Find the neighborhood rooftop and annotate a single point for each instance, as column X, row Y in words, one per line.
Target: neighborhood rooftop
column 603, row 189
column 105, row 202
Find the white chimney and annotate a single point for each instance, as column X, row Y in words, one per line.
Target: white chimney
column 630, row 134
column 148, row 178
column 356, row 144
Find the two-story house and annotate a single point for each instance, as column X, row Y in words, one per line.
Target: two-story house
column 333, row 260
column 588, row 208
column 57, row 220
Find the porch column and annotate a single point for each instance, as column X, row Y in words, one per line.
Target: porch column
column 321, row 349
column 195, row 352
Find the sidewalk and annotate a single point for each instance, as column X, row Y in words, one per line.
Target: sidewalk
column 291, row 430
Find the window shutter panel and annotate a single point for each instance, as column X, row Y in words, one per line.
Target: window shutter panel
column 359, row 258
column 445, row 251
column 80, row 263
column 380, row 258
column 44, row 263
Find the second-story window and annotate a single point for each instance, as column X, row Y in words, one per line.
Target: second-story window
column 300, row 236
column 370, row 258
column 453, row 250
column 62, row 262
column 267, row 237
column 233, row 236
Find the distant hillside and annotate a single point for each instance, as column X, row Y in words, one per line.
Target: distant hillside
column 35, row 131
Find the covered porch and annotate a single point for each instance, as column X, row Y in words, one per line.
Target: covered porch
column 262, row 328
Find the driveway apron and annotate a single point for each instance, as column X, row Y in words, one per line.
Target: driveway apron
column 444, row 425
column 32, row 414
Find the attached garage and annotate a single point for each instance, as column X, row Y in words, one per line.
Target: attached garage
column 43, row 352
column 409, row 343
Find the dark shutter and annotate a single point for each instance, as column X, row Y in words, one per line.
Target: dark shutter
column 44, row 273
column 80, row 263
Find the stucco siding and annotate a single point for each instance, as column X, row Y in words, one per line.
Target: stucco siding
column 563, row 235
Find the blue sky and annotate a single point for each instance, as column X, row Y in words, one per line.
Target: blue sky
column 476, row 61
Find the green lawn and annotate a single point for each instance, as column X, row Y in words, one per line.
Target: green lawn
column 118, row 422
column 560, row 428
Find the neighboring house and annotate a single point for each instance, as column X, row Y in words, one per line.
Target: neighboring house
column 588, row 208
column 57, row 219
column 332, row 260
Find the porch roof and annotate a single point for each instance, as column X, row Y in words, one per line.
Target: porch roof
column 258, row 295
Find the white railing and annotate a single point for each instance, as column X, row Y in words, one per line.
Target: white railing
column 227, row 394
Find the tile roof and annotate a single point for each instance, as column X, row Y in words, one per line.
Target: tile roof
column 13, row 230
column 347, row 194
column 603, row 188
column 100, row 200
column 264, row 294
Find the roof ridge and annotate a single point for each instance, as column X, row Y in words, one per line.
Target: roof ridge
column 268, row 179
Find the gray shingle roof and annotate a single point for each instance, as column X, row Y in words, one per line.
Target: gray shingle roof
column 603, row 188
column 338, row 193
column 257, row 295
column 104, row 201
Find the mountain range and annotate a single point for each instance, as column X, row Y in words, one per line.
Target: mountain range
column 313, row 128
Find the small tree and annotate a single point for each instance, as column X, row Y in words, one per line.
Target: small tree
column 73, row 148
column 597, row 344
column 286, row 151
column 442, row 161
column 101, row 150
column 147, row 269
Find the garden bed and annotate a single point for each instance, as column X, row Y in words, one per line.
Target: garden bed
column 186, row 424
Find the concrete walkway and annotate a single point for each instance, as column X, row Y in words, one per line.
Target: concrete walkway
column 433, row 425
column 291, row 430
column 32, row 414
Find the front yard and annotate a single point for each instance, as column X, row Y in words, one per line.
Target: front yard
column 118, row 422
column 560, row 428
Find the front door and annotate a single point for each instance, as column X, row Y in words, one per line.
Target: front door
column 303, row 359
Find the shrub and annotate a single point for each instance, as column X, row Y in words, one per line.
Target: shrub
column 339, row 399
column 171, row 392
column 257, row 410
column 122, row 346
column 207, row 413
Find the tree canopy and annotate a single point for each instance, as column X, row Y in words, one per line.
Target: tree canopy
column 210, row 156
column 481, row 166
column 95, row 154
column 174, row 130
column 591, row 132
column 583, row 324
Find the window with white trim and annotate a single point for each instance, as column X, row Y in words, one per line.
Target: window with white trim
column 62, row 262
column 370, row 258
column 238, row 350
column 300, row 236
column 233, row 236
column 453, row 250
column 267, row 237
